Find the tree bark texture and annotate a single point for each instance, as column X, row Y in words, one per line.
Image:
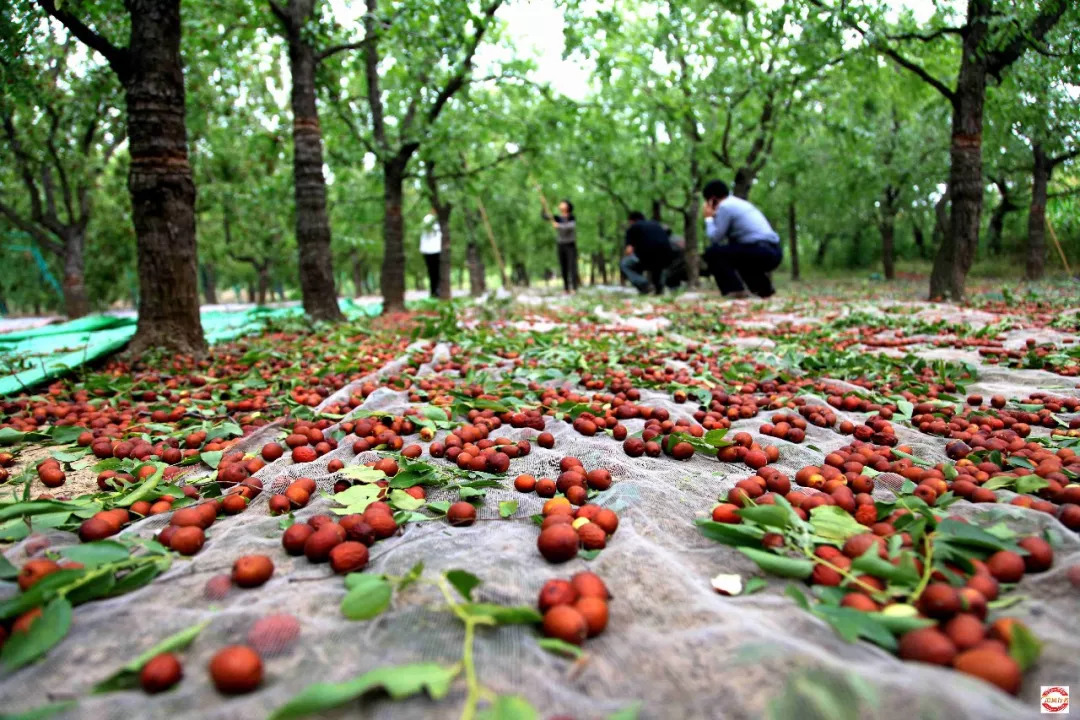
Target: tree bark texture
column 1036, row 241
column 161, row 183
column 793, row 239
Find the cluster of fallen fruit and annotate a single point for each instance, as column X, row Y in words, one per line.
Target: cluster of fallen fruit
column 910, row 598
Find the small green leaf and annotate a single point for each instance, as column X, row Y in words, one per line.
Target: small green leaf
column 509, row 707
column 630, row 712
column 92, row 554
column 7, row 570
column 41, row 712
column 507, row 508
column 410, row 577
column 463, row 582
column 211, row 458
column 834, row 523
column 368, row 596
column 731, row 534
column 775, row 516
column 362, row 473
column 1025, row 648
column 560, row 647
column 399, row 682
column 402, row 500
column 782, row 565
column 44, row 633
column 753, row 585
column 439, row 506
column 588, row 554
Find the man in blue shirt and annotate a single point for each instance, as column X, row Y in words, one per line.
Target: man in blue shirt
column 752, row 250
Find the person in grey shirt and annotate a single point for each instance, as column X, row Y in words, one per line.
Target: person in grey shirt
column 565, row 225
column 752, row 249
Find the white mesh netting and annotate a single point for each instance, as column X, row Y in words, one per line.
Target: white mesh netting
column 672, row 642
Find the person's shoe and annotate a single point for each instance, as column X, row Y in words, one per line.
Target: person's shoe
column 739, row 295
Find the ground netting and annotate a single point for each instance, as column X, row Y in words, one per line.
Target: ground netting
column 672, row 643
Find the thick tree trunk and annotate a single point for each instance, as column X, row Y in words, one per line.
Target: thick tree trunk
column 477, row 283
column 1036, row 242
column 209, row 283
column 957, row 251
column 793, row 239
column 76, row 302
column 309, row 185
column 161, row 184
column 392, row 282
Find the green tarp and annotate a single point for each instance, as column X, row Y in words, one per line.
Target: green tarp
column 30, row 357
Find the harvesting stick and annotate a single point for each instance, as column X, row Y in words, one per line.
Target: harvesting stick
column 1057, row 244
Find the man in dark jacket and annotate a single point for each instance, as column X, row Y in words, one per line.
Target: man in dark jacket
column 648, row 252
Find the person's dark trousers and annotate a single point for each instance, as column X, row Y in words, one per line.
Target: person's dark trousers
column 432, row 262
column 739, row 266
column 635, row 270
column 568, row 265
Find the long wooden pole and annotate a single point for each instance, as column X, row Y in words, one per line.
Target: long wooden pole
column 491, row 238
column 1053, row 236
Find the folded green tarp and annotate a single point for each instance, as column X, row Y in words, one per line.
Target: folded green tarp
column 30, row 357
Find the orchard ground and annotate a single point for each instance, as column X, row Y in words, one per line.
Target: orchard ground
column 820, row 502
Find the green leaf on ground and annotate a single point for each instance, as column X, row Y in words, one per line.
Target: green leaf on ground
column 399, row 682
column 463, row 582
column 368, row 596
column 127, row 677
column 23, row 648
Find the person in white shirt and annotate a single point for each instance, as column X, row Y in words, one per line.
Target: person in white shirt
column 431, row 249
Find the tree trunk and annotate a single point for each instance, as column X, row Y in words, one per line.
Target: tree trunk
column 76, row 302
column 209, row 283
column 309, row 185
column 161, row 184
column 888, row 243
column 793, row 239
column 445, row 251
column 744, row 181
column 919, row 238
column 477, row 284
column 521, row 274
column 887, row 225
column 655, row 215
column 1036, row 242
column 263, row 280
column 358, row 272
column 601, row 262
column 957, row 251
column 822, row 248
column 941, row 220
column 393, row 267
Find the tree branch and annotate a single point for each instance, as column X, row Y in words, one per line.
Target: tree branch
column 940, row 32
column 280, row 14
column 31, row 229
column 1040, row 25
column 117, row 57
column 335, row 49
column 895, row 56
column 481, row 168
column 371, row 74
column 457, row 80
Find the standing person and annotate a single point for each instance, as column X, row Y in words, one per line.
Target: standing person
column 566, row 241
column 431, row 249
column 753, row 248
column 648, row 251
